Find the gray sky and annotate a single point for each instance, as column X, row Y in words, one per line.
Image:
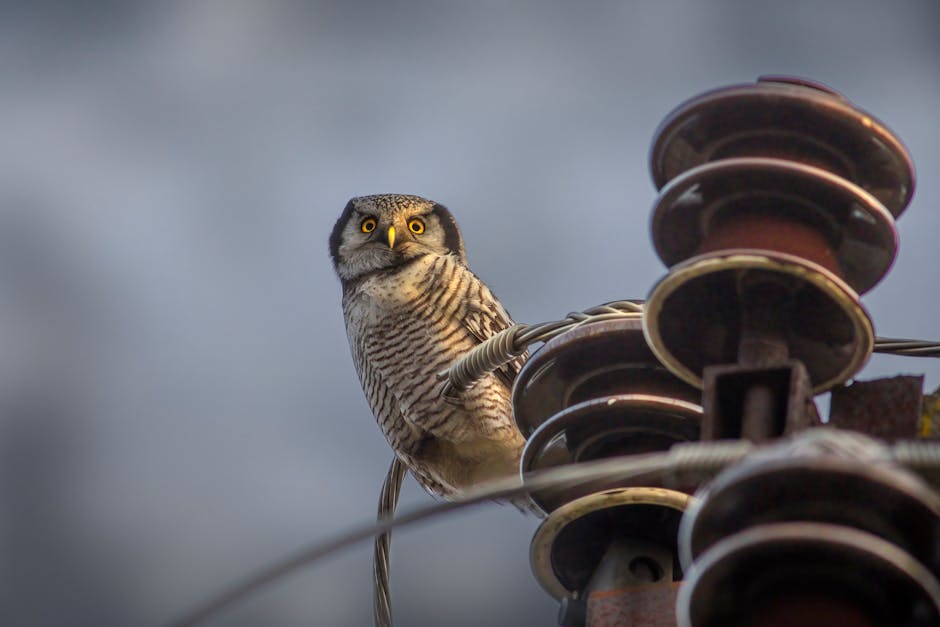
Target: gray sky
column 178, row 402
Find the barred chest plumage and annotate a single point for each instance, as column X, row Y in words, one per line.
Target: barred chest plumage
column 408, row 323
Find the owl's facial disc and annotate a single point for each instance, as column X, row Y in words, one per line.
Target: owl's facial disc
column 384, row 231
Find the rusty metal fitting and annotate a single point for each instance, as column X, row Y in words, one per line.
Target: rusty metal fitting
column 649, row 606
column 890, row 408
column 757, row 403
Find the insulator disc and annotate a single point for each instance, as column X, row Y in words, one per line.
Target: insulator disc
column 881, row 499
column 692, row 317
column 785, row 120
column 807, row 574
column 595, row 360
column 626, row 424
column 776, row 205
column 569, row 544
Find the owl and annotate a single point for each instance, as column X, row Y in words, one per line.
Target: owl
column 412, row 307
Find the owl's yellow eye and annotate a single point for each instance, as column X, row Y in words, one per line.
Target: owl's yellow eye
column 416, row 226
column 368, row 225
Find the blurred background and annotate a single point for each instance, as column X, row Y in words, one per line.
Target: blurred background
column 177, row 402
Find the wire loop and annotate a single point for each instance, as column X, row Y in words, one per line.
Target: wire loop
column 509, row 343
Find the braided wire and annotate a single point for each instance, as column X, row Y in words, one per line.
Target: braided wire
column 487, row 357
column 918, row 455
column 509, row 343
column 908, row 348
column 513, row 341
column 676, row 466
column 388, row 501
column 568, row 476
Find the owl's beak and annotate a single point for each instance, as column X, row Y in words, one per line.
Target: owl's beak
column 391, row 236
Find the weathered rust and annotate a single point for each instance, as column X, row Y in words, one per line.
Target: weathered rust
column 650, row 605
column 888, row 408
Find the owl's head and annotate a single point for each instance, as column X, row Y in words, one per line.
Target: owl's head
column 386, row 230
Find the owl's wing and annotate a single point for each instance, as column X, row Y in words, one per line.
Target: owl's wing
column 485, row 316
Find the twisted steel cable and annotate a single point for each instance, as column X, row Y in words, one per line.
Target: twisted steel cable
column 701, row 460
column 490, row 355
column 907, row 348
column 388, row 501
column 507, row 345
column 512, row 342
column 685, row 462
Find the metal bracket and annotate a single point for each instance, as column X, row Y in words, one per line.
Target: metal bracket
column 757, row 403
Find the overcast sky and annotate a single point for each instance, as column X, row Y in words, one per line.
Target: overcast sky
column 177, row 402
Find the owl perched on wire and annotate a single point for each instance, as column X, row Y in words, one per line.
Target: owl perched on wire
column 412, row 308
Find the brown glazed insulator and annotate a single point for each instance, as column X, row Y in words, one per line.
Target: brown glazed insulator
column 596, row 392
column 693, row 316
column 569, row 545
column 781, row 233
column 881, row 499
column 781, row 574
column 601, row 359
column 778, row 206
column 785, row 118
column 625, row 424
